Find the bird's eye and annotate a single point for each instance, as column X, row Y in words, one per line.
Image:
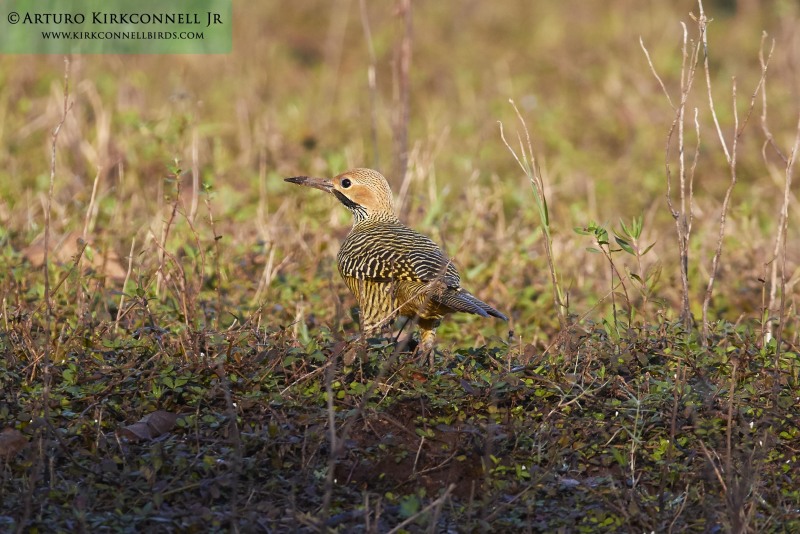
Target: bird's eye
column 346, row 183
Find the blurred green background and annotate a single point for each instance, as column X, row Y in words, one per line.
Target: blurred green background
column 294, row 98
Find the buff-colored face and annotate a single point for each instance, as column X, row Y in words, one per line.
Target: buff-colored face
column 358, row 189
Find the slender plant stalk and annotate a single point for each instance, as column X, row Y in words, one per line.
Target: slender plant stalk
column 530, row 166
column 685, row 216
column 730, row 155
column 371, row 83
column 403, row 93
column 767, row 331
column 124, row 285
column 48, row 297
column 785, row 223
column 195, row 174
column 49, row 208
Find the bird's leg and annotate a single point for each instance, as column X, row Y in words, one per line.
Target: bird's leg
column 401, row 339
column 427, row 339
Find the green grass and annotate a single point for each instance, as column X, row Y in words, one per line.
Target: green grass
column 232, row 328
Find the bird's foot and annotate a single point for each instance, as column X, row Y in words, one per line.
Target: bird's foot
column 425, row 352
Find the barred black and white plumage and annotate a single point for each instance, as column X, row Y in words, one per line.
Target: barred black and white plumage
column 391, row 269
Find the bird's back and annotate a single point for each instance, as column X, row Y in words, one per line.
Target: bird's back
column 388, row 265
column 389, row 251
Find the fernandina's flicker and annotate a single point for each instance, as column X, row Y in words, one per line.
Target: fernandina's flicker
column 391, row 269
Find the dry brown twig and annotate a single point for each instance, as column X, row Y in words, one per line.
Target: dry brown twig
column 685, row 216
column 47, row 290
column 165, row 229
column 779, row 249
column 195, row 174
column 87, row 226
column 48, row 209
column 730, row 155
column 784, row 222
column 124, row 285
column 216, row 258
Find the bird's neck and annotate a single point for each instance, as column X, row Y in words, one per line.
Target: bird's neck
column 362, row 218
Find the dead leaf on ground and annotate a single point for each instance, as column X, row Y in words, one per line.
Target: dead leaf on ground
column 11, row 442
column 64, row 249
column 150, row 426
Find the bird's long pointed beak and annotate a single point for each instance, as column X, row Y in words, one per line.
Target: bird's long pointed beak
column 317, row 183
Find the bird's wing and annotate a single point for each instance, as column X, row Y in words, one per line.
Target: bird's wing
column 400, row 254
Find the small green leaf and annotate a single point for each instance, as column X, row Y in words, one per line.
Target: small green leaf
column 625, row 246
column 409, row 506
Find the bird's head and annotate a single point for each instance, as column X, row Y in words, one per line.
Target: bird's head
column 363, row 191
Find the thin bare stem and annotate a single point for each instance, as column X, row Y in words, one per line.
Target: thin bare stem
column 686, row 85
column 764, row 124
column 91, row 208
column 124, row 285
column 195, row 174
column 653, row 70
column 729, row 425
column 402, row 100
column 731, row 158
column 683, row 217
column 48, row 297
column 49, row 208
column 216, row 258
column 527, row 161
column 332, row 438
column 780, row 236
column 371, row 82
column 47, row 293
column 702, row 25
column 86, row 226
column 692, row 170
column 785, row 223
column 724, row 213
column 614, row 271
column 162, row 246
column 334, row 46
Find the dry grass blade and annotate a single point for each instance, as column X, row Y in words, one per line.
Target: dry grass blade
column 530, row 166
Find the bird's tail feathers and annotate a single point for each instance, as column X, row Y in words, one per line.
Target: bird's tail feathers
column 463, row 301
